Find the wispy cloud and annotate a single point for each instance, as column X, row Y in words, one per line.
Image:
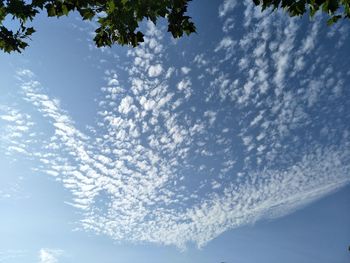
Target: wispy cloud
column 176, row 159
column 6, row 255
column 47, row 255
column 227, row 6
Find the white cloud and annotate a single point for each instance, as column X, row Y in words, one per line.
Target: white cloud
column 6, row 255
column 211, row 115
column 154, row 130
column 47, row 255
column 225, row 43
column 126, row 105
column 184, row 84
column 228, row 25
column 227, row 6
column 309, row 41
column 155, row 70
column 25, row 73
column 185, row 70
column 200, row 60
column 185, row 87
column 313, row 91
column 136, row 178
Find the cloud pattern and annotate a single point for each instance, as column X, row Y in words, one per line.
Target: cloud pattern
column 253, row 128
column 47, row 255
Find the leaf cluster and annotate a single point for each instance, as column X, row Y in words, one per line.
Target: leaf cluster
column 335, row 9
column 118, row 20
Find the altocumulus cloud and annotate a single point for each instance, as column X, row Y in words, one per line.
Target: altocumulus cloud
column 47, row 255
column 179, row 157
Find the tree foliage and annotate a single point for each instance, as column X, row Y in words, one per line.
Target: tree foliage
column 335, row 9
column 118, row 20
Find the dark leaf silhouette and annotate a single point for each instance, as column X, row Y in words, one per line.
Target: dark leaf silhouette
column 118, row 20
column 335, row 9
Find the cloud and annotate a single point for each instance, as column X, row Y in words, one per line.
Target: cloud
column 126, row 105
column 185, row 87
column 16, row 128
column 225, row 43
column 25, row 73
column 155, row 70
column 6, row 255
column 47, row 255
column 135, row 178
column 227, row 6
column 211, row 115
column 185, row 70
column 177, row 158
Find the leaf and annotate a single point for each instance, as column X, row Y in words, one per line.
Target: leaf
column 333, row 19
column 2, row 13
column 118, row 20
column 87, row 13
column 110, row 6
column 65, row 10
column 29, row 31
column 51, row 11
column 256, row 2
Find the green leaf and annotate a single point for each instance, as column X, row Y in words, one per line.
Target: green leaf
column 118, row 19
column 333, row 20
column 29, row 31
column 51, row 11
column 65, row 10
column 2, row 13
column 110, row 6
column 87, row 13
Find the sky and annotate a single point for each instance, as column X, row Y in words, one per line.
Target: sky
column 230, row 145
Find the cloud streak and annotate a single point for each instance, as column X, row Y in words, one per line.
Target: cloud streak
column 49, row 255
column 177, row 157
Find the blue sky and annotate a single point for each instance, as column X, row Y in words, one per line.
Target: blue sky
column 230, row 145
